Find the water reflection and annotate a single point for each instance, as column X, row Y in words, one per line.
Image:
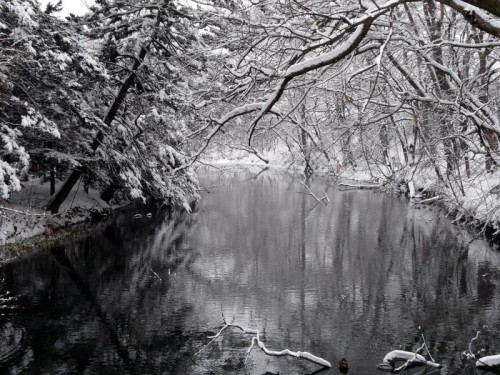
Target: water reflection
column 354, row 278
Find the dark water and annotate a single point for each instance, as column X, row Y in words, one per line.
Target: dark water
column 353, row 279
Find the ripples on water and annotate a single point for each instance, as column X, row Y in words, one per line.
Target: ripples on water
column 354, row 279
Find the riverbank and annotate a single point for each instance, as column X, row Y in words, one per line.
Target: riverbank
column 24, row 223
column 472, row 201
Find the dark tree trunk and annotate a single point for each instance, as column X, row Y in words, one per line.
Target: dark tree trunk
column 65, row 189
column 52, row 180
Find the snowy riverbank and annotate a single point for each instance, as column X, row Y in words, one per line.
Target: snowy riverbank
column 475, row 201
column 23, row 217
column 24, row 222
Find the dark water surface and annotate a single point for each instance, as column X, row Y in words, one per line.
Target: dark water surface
column 353, row 279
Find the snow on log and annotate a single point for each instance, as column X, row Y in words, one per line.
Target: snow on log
column 409, row 358
column 401, row 355
column 368, row 186
column 257, row 341
column 491, row 362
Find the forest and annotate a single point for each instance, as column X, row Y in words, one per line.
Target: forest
column 129, row 98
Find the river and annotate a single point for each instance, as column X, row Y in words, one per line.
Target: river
column 353, row 278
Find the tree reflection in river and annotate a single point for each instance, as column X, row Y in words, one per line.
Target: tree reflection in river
column 352, row 279
column 355, row 278
column 96, row 305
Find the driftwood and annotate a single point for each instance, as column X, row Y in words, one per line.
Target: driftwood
column 256, row 341
column 391, row 358
column 491, row 362
column 359, row 186
column 411, row 358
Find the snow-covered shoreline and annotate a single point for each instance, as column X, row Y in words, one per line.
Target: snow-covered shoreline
column 24, row 222
column 475, row 207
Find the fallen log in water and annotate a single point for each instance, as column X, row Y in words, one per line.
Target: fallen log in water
column 401, row 355
column 256, row 341
column 409, row 358
column 491, row 362
column 359, row 186
column 429, row 200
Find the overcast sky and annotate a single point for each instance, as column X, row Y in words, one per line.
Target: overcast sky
column 71, row 6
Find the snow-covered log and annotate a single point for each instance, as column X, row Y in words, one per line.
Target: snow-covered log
column 258, row 342
column 402, row 355
column 392, row 358
column 491, row 362
column 359, row 186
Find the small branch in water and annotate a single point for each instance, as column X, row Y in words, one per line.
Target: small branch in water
column 325, row 199
column 471, row 341
column 424, row 345
column 256, row 341
column 154, row 273
column 469, row 354
column 209, row 189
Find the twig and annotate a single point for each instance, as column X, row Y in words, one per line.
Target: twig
column 324, row 199
column 154, row 273
column 425, row 346
column 469, row 354
column 208, row 189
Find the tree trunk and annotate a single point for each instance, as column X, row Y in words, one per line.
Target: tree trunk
column 492, row 140
column 52, row 180
column 65, row 189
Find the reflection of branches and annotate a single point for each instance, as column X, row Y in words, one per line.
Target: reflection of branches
column 325, row 199
column 256, row 341
column 63, row 261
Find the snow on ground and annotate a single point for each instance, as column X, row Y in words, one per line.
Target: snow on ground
column 24, row 216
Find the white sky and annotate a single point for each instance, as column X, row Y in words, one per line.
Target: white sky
column 77, row 7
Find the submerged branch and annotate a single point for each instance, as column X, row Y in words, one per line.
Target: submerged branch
column 325, row 198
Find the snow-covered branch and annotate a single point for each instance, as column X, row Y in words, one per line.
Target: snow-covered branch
column 476, row 16
column 359, row 186
column 256, row 341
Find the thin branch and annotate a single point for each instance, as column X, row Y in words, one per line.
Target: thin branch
column 325, row 199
